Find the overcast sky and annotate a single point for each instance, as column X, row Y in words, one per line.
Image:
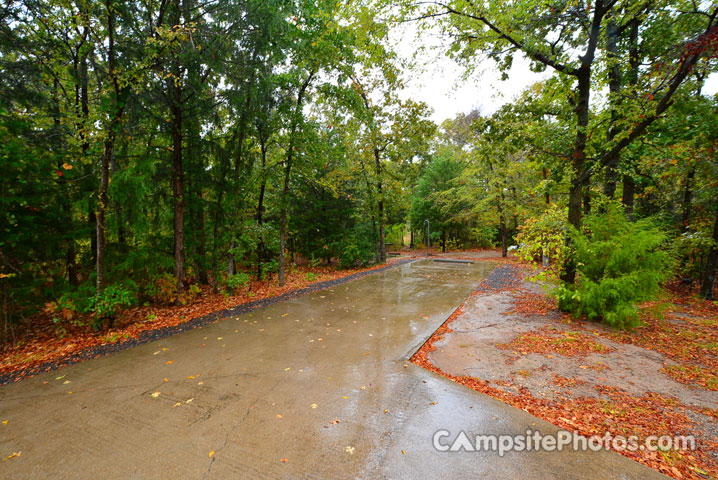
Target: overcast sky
column 440, row 85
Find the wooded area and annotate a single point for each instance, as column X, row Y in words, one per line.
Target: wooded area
column 152, row 146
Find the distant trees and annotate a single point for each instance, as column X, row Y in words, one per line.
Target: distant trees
column 643, row 52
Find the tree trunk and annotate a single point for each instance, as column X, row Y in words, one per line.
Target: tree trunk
column 260, row 210
column 629, row 193
column 575, row 194
column 614, row 88
column 177, row 189
column 108, row 150
column 687, row 200
column 380, row 204
column 709, row 272
column 100, row 217
column 283, row 217
column 287, row 171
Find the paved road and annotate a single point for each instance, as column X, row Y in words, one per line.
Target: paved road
column 321, row 382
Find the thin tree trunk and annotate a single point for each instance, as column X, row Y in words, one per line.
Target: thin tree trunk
column 287, row 173
column 629, row 193
column 380, row 204
column 709, row 272
column 177, row 192
column 687, row 200
column 614, row 88
column 260, row 209
column 109, row 148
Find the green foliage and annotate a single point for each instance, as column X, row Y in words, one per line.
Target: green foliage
column 109, row 303
column 311, row 277
column 620, row 264
column 355, row 255
column 238, row 280
column 545, row 235
column 484, row 236
column 433, row 195
column 395, row 235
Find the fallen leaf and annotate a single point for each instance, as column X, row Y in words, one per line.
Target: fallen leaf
column 189, row 401
column 314, row 405
column 211, row 454
column 403, row 452
column 349, row 450
column 156, row 394
column 284, row 460
column 169, row 362
column 335, row 421
column 279, row 415
column 177, row 404
column 14, row 454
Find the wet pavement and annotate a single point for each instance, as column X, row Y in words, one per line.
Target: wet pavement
column 316, row 387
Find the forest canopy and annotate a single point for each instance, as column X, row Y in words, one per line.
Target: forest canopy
column 153, row 147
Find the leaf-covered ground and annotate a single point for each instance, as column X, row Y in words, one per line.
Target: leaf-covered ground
column 40, row 344
column 659, row 379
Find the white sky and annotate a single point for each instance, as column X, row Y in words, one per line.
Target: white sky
column 440, row 84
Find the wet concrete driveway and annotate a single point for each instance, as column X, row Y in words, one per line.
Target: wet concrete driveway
column 315, row 387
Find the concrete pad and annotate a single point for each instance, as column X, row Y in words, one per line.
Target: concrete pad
column 321, row 381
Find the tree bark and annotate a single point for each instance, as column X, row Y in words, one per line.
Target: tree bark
column 287, row 172
column 117, row 109
column 575, row 194
column 709, row 273
column 628, row 196
column 614, row 88
column 260, row 209
column 687, row 200
column 380, row 205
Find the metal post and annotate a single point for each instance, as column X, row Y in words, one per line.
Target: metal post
column 428, row 237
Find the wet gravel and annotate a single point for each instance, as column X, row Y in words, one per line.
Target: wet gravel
column 503, row 277
column 152, row 335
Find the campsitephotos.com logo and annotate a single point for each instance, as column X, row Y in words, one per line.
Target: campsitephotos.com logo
column 532, row 440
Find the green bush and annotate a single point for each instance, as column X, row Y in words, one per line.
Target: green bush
column 311, row 277
column 545, row 235
column 619, row 265
column 109, row 303
column 237, row 281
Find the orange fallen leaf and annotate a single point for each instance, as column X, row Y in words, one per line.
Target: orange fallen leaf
column 211, row 454
column 284, row 460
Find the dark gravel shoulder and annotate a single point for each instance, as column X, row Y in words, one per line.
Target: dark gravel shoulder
column 152, row 335
column 503, row 277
